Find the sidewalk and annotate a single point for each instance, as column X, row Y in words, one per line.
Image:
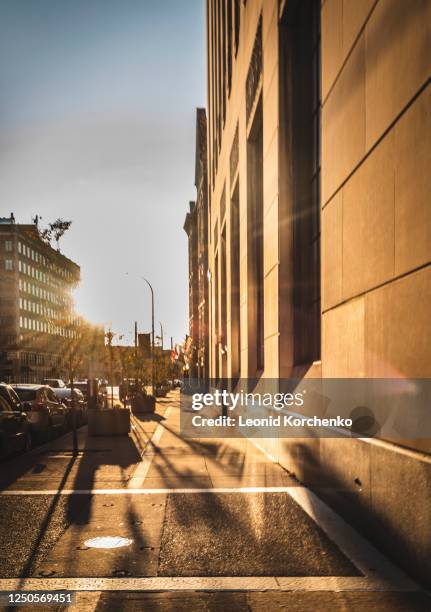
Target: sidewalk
column 195, row 515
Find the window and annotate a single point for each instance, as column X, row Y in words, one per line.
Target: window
column 8, row 264
column 255, row 245
column 8, row 245
column 216, row 316
column 223, row 303
column 237, row 16
column 235, row 284
column 300, row 118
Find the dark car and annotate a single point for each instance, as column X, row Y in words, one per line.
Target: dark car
column 15, row 429
column 45, row 411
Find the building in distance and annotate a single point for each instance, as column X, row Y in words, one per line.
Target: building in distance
column 38, row 325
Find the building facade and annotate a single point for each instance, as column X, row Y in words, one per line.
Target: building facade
column 319, row 226
column 38, row 324
column 196, row 227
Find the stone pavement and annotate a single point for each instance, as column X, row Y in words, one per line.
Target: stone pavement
column 207, row 525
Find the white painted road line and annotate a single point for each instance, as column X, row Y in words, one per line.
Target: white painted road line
column 141, row 470
column 141, row 491
column 160, row 583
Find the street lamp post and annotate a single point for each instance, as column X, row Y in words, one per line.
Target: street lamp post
column 152, row 333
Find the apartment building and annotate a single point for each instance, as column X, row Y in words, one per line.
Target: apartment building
column 36, row 306
column 319, row 227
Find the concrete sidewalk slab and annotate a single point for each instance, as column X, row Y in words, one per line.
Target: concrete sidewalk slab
column 259, row 534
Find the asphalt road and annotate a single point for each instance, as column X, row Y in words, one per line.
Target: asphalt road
column 29, row 527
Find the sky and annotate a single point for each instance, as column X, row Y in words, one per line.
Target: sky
column 97, row 125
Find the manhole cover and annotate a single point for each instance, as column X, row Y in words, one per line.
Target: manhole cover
column 108, row 542
column 47, row 573
column 121, row 573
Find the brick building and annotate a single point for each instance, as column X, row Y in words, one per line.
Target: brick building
column 196, row 227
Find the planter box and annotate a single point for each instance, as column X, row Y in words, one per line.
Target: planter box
column 115, row 422
column 143, row 404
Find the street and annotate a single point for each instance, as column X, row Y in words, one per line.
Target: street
column 153, row 521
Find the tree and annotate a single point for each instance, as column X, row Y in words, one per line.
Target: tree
column 55, row 230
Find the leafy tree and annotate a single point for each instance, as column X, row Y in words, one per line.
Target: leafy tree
column 58, row 228
column 55, row 231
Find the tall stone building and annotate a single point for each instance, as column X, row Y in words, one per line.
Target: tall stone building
column 196, row 227
column 38, row 322
column 319, row 150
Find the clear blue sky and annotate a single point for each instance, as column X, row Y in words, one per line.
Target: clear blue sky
column 97, row 125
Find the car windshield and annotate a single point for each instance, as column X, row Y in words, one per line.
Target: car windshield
column 26, row 395
column 11, row 397
column 4, row 405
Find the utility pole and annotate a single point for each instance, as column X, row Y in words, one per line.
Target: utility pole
column 136, row 354
column 172, row 363
column 110, row 337
column 73, row 404
column 152, row 334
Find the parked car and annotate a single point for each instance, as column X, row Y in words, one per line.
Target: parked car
column 82, row 385
column 54, row 383
column 67, row 397
column 15, row 429
column 45, row 411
